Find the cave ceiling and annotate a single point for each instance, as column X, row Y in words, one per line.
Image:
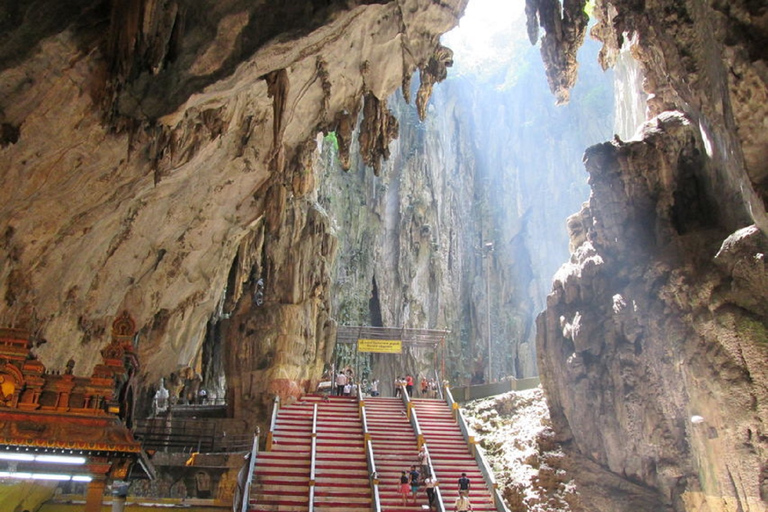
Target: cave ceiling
column 156, row 157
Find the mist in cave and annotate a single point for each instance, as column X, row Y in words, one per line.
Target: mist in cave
column 496, row 163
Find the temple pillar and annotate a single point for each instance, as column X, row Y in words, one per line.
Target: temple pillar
column 95, row 496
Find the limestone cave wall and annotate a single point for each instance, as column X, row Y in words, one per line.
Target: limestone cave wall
column 156, row 158
column 653, row 346
column 494, row 161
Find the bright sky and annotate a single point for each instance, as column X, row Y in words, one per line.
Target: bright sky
column 485, row 33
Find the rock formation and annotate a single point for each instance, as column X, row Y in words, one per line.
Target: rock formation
column 652, row 349
column 478, row 169
column 155, row 158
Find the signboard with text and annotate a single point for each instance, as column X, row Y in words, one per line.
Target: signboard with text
column 380, row 346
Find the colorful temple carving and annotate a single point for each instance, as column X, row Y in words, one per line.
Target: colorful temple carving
column 88, row 419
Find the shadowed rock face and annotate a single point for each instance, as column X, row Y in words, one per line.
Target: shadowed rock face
column 156, row 157
column 653, row 345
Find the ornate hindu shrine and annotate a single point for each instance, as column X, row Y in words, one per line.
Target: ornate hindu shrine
column 55, row 424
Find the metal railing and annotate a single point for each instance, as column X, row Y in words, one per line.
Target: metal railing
column 373, row 474
column 431, row 469
column 485, row 469
column 411, row 412
column 414, row 419
column 273, row 423
column 177, row 435
column 313, row 460
column 249, row 477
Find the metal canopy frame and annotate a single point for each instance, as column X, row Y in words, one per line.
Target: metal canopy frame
column 412, row 337
column 416, row 338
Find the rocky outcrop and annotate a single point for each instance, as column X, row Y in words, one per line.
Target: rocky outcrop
column 652, row 348
column 148, row 145
column 653, row 342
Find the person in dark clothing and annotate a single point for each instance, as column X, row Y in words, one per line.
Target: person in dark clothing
column 404, row 487
column 415, row 476
column 463, row 485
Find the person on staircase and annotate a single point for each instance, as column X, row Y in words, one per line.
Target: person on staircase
column 415, row 481
column 405, row 488
column 462, row 504
column 341, row 381
column 463, row 485
column 422, row 458
column 429, row 483
column 432, row 388
column 424, row 387
column 399, row 383
column 409, row 385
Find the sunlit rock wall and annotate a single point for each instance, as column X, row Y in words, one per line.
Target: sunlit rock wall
column 494, row 161
column 653, row 348
column 147, row 145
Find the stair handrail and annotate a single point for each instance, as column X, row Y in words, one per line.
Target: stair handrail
column 249, row 478
column 373, row 475
column 411, row 414
column 438, row 494
column 449, row 398
column 313, row 460
column 273, row 423
column 485, row 469
column 439, row 385
column 417, row 428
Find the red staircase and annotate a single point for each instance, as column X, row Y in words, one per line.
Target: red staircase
column 395, row 450
column 281, row 476
column 450, row 455
column 341, row 469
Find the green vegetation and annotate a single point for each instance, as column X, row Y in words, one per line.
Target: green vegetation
column 331, row 139
column 589, row 8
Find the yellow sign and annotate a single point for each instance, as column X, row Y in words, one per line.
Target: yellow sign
column 381, row 346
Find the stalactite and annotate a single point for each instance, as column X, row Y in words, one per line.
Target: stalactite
column 378, row 128
column 433, row 72
column 278, row 86
column 565, row 26
column 345, row 125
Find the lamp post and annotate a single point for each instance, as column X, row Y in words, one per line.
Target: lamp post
column 488, row 249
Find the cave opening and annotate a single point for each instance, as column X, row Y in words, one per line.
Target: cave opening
column 496, row 161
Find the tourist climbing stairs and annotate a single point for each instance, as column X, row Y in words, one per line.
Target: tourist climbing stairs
column 281, row 480
column 451, row 455
column 396, row 449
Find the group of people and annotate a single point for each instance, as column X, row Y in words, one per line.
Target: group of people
column 420, row 476
column 428, row 386
column 345, row 384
